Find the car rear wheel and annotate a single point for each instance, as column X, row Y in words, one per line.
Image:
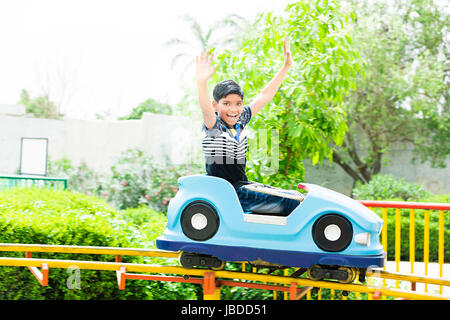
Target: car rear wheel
column 199, row 221
column 332, row 232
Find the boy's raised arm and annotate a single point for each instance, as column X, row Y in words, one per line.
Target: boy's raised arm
column 204, row 71
column 272, row 87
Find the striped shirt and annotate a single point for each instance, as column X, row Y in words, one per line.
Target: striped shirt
column 225, row 149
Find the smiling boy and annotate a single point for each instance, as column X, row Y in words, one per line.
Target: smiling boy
column 224, row 140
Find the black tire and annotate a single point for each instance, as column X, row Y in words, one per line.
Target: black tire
column 332, row 232
column 199, row 221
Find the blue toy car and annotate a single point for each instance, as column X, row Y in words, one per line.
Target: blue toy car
column 329, row 235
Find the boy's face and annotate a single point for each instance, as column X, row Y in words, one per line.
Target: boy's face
column 229, row 108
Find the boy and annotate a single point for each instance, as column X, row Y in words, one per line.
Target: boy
column 224, row 141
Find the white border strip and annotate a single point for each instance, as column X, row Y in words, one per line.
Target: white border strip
column 263, row 219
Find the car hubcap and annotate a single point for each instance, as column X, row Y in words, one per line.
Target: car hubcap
column 332, row 232
column 199, row 221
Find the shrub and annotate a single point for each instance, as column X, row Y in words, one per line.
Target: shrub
column 138, row 179
column 382, row 187
column 79, row 178
column 42, row 216
column 143, row 214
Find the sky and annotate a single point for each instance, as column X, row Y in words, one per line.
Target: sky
column 101, row 56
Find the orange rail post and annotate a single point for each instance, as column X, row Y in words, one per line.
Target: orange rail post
column 210, row 290
column 121, row 277
column 41, row 276
column 377, row 295
column 293, row 291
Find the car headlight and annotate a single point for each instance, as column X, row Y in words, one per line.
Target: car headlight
column 363, row 238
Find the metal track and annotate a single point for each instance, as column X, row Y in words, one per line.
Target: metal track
column 237, row 278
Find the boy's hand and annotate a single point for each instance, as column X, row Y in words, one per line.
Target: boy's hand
column 287, row 54
column 204, row 70
column 272, row 87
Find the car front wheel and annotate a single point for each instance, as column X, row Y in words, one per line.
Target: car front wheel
column 332, row 232
column 199, row 221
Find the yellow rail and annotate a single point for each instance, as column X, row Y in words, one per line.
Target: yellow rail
column 87, row 250
column 411, row 278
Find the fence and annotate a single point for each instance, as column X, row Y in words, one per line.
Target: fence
column 9, row 181
column 422, row 225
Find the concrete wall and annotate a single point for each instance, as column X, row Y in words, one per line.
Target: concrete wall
column 99, row 142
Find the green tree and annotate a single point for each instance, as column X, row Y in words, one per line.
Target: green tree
column 403, row 97
column 149, row 105
column 306, row 111
column 41, row 106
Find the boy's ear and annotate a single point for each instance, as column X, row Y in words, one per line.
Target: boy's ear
column 214, row 105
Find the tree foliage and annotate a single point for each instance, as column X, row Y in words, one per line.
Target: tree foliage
column 41, row 106
column 386, row 186
column 306, row 111
column 149, row 105
column 403, row 97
